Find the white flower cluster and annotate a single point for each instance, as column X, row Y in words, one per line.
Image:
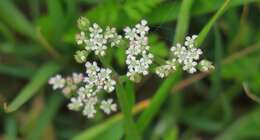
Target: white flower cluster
column 139, row 58
column 83, row 91
column 186, row 56
column 96, row 40
column 68, row 84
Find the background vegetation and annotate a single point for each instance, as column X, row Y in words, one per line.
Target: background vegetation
column 37, row 41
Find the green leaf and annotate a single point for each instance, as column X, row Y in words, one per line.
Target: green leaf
column 36, row 83
column 48, row 114
column 125, row 105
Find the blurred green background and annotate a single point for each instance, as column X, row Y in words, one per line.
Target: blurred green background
column 37, row 41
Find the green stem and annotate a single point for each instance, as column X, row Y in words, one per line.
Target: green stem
column 129, row 124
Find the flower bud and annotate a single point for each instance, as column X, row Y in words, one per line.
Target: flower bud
column 81, row 56
column 83, row 23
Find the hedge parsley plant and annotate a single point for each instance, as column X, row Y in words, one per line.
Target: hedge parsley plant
column 85, row 89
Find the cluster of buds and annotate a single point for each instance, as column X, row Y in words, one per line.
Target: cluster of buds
column 187, row 56
column 139, row 58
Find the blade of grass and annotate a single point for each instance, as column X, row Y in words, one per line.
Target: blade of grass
column 129, row 124
column 52, row 107
column 250, row 94
column 183, row 21
column 57, row 18
column 10, row 128
column 216, row 77
column 37, row 82
column 203, row 34
column 6, row 32
column 16, row 71
column 157, row 100
column 15, row 19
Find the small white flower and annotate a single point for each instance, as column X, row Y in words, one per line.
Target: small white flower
column 190, row 41
column 89, row 111
column 142, row 28
column 190, row 66
column 163, row 71
column 81, row 38
column 101, row 50
column 77, row 77
column 109, row 85
column 89, row 107
column 95, row 30
column 178, row 49
column 87, row 90
column 133, row 50
column 57, row 82
column 104, row 74
column 92, row 69
column 172, row 63
column 75, row 104
column 130, row 33
column 92, row 101
column 194, row 53
column 110, row 33
column 183, row 57
column 166, row 69
column 147, row 59
column 108, row 106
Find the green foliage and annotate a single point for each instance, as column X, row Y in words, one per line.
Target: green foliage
column 245, row 127
column 37, row 82
column 46, row 117
column 129, row 10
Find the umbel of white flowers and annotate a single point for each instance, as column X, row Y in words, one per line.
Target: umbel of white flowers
column 187, row 56
column 85, row 89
